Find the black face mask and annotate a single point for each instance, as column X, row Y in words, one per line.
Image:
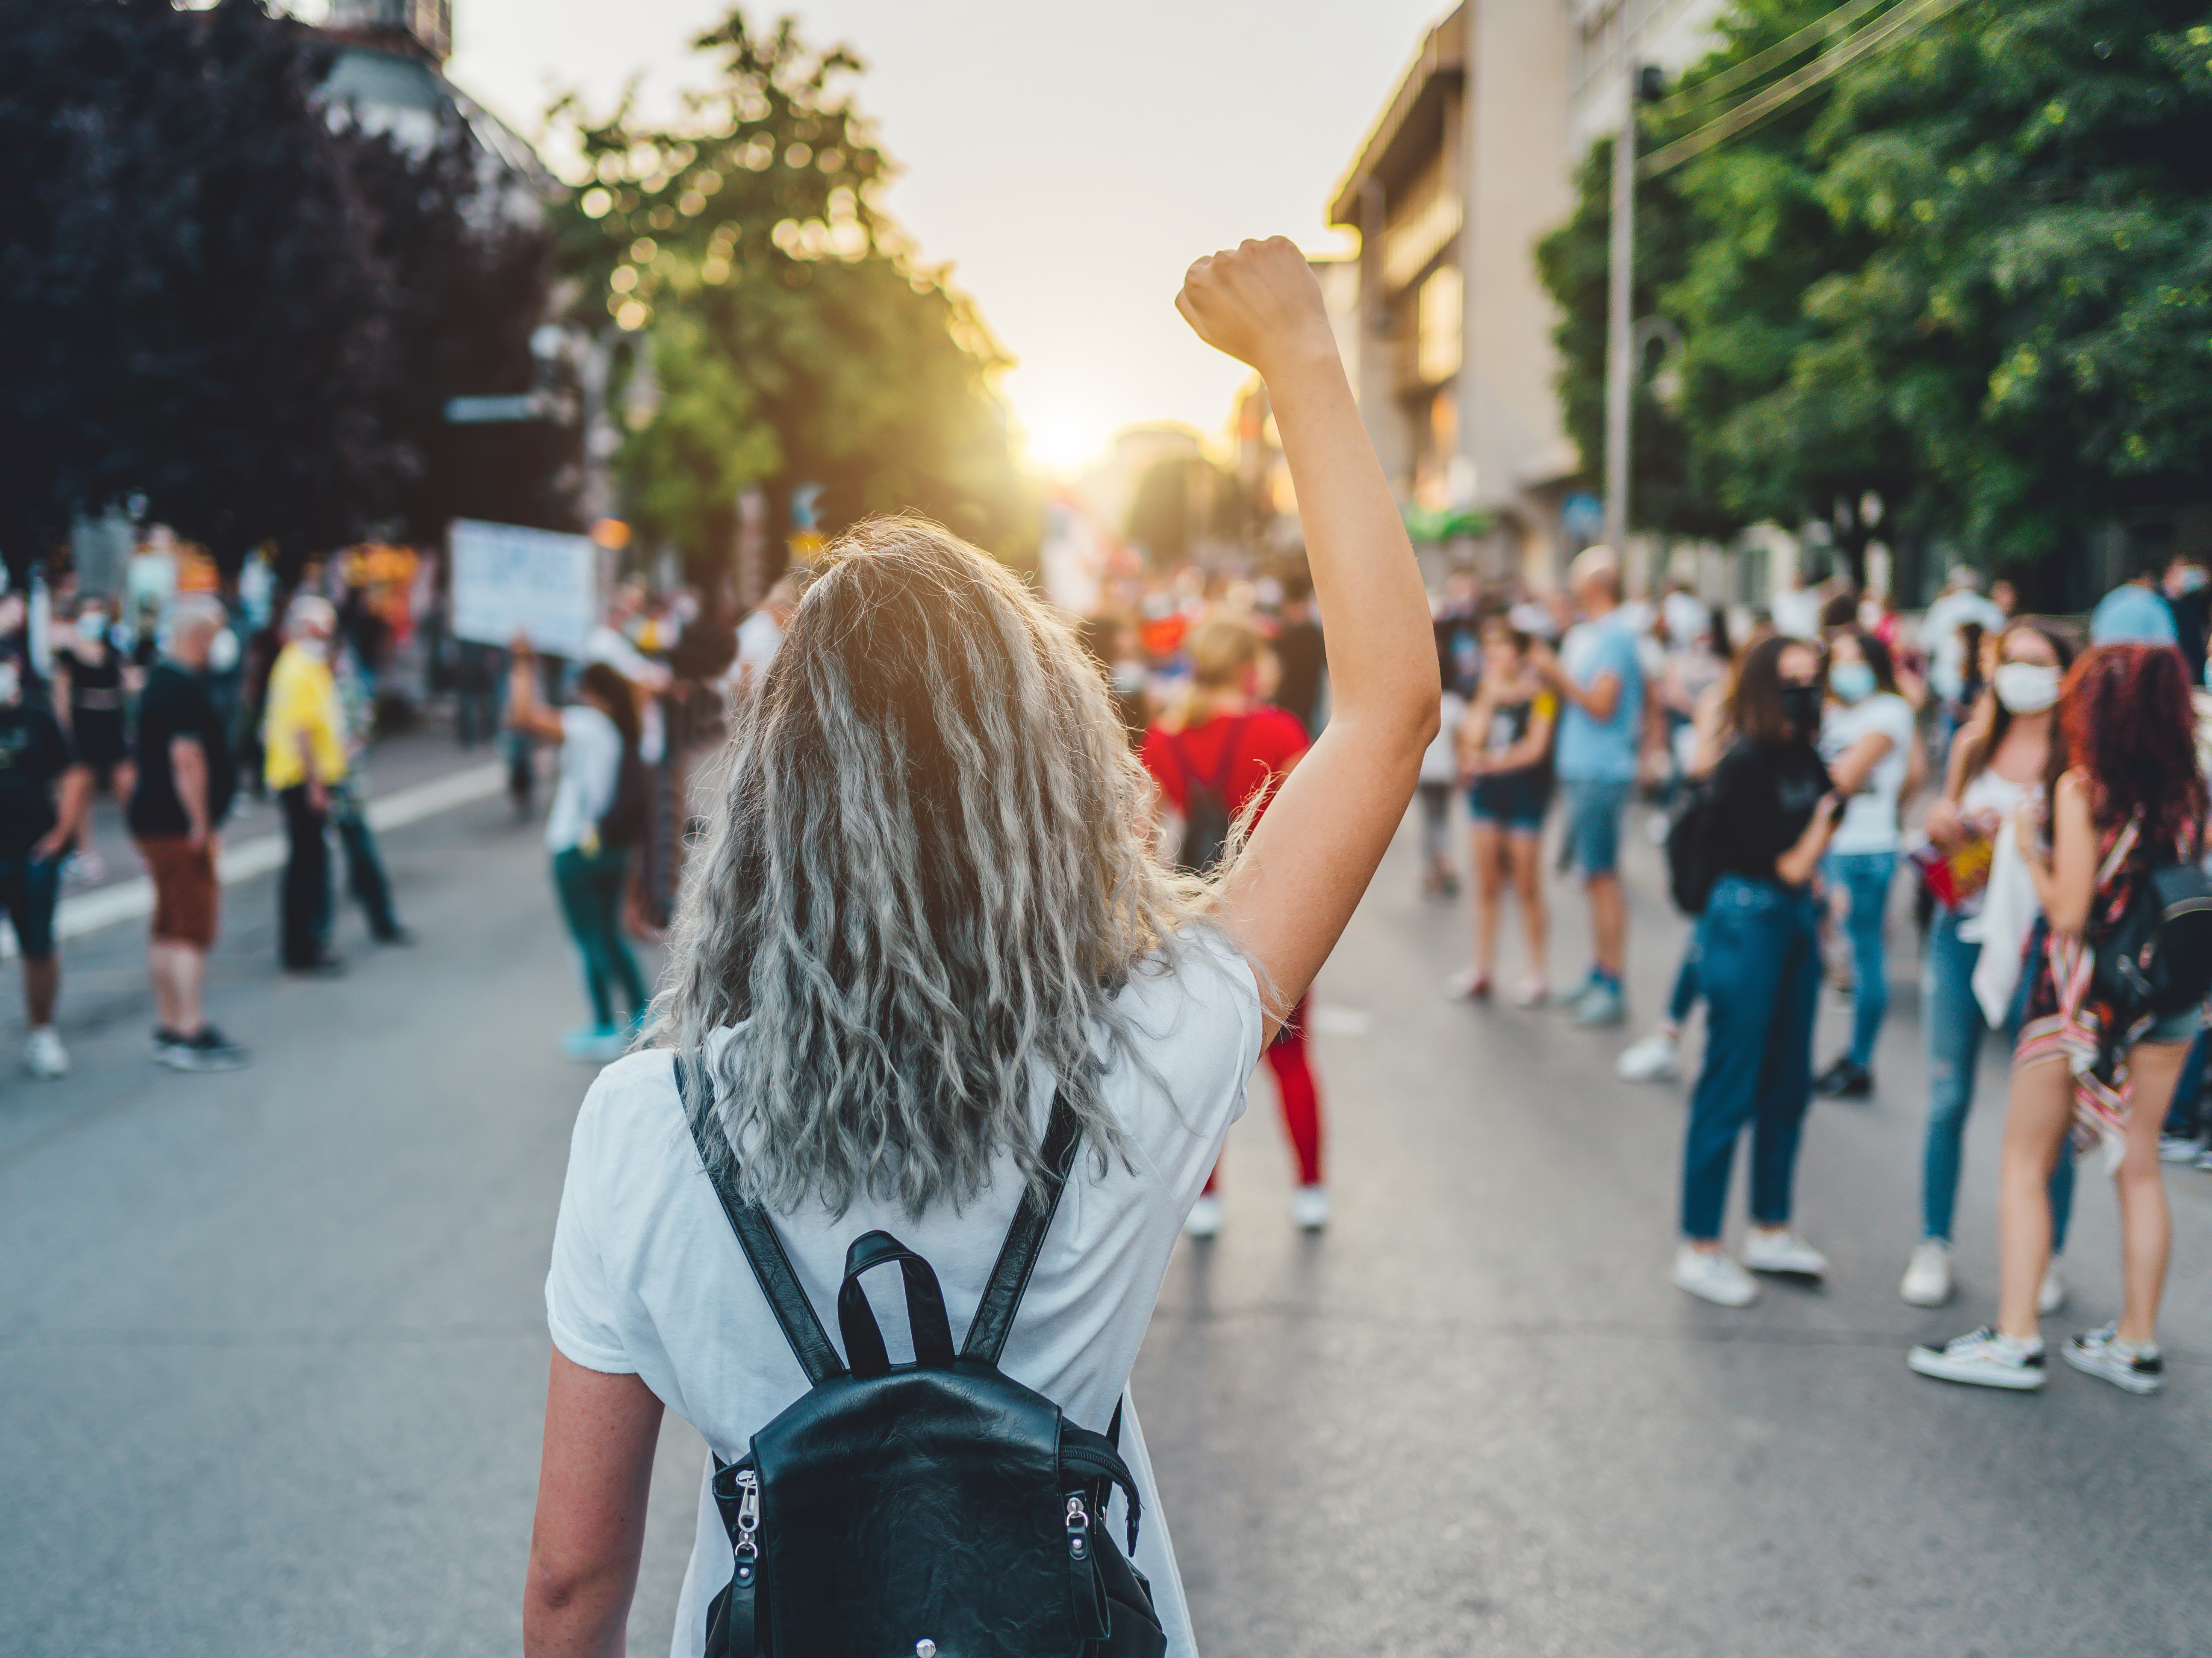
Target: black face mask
column 1801, row 706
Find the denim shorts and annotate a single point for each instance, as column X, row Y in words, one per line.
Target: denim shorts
column 29, row 889
column 2176, row 1027
column 1594, row 814
column 1515, row 803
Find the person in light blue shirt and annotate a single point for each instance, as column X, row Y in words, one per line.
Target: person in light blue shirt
column 1600, row 685
column 2135, row 613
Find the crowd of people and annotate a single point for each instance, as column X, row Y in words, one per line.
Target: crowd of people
column 1811, row 762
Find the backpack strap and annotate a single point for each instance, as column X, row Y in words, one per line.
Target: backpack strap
column 1219, row 782
column 794, row 1314
column 994, row 1315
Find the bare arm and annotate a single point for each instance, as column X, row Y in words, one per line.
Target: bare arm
column 1796, row 867
column 1856, row 763
column 188, row 766
column 1532, row 746
column 524, row 711
column 594, row 1476
column 1288, row 898
column 69, row 813
column 1598, row 699
column 2066, row 883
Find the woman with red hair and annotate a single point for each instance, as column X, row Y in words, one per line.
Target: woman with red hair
column 2128, row 800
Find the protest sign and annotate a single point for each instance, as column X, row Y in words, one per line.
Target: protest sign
column 509, row 580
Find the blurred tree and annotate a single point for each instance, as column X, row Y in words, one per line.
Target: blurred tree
column 2033, row 183
column 1968, row 281
column 796, row 338
column 219, row 299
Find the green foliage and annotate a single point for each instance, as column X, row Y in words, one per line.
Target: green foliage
column 1972, row 275
column 796, row 339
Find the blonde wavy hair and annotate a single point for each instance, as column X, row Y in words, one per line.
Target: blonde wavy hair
column 927, row 879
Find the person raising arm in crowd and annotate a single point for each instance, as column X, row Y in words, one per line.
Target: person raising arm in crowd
column 927, row 906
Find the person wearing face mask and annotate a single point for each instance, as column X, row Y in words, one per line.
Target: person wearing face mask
column 303, row 739
column 1997, row 766
column 1866, row 741
column 45, row 789
column 2188, row 587
column 1759, row 965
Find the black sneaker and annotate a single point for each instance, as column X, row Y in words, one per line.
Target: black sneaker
column 164, row 1039
column 1844, row 1079
column 208, row 1050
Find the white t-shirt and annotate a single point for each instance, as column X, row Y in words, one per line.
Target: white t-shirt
column 1440, row 760
column 1869, row 823
column 649, row 1279
column 591, row 765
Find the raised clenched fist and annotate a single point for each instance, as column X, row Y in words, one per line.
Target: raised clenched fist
column 1258, row 302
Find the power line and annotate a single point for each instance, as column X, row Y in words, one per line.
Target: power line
column 1742, row 74
column 1885, row 31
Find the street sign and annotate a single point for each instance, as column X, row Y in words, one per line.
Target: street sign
column 509, row 580
column 492, row 411
column 1581, row 515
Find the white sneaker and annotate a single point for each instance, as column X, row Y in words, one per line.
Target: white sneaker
column 1204, row 1220
column 1656, row 1059
column 2173, row 1149
column 1779, row 1249
column 1928, row 1279
column 2052, row 1294
column 1982, row 1358
column 1310, row 1207
column 1714, row 1276
column 2140, row 1369
column 44, row 1054
column 1533, row 993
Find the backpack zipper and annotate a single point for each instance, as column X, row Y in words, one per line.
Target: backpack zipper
column 746, row 1550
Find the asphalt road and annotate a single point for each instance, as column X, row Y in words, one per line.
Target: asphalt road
column 272, row 1351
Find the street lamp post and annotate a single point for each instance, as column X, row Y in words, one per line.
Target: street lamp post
column 1619, row 341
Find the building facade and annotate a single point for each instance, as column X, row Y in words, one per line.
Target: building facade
column 1469, row 164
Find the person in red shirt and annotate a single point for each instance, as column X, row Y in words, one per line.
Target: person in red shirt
column 1225, row 749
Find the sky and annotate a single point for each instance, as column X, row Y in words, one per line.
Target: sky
column 1068, row 161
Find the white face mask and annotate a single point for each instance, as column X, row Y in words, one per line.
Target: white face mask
column 222, row 652
column 2025, row 687
column 11, row 685
column 92, row 628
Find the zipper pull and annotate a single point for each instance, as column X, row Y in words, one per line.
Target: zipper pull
column 747, row 1548
column 1078, row 1527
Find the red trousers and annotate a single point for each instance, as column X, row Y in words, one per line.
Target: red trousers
column 1301, row 1100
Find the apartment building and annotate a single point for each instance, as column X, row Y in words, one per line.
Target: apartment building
column 1468, row 165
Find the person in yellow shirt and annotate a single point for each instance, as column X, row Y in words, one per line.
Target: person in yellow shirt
column 303, row 739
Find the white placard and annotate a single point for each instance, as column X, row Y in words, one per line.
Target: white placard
column 509, row 580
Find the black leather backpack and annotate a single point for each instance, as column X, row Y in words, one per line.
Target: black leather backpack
column 935, row 1509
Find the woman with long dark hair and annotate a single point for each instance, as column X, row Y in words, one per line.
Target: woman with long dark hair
column 1998, row 764
column 2129, row 799
column 1759, row 965
column 925, row 906
column 1505, row 753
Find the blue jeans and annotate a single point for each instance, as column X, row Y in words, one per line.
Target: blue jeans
column 1684, row 995
column 591, row 889
column 1759, row 965
column 1865, row 876
column 2188, row 1091
column 1955, row 1032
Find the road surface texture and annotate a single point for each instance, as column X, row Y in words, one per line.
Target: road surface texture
column 273, row 1354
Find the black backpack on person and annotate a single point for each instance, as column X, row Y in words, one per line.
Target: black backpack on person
column 936, row 1507
column 2156, row 956
column 1694, row 846
column 1205, row 814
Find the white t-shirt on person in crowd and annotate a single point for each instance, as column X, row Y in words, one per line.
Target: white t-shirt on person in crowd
column 1869, row 822
column 649, row 1279
column 591, row 766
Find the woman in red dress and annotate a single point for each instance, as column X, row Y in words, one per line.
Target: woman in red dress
column 1226, row 749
